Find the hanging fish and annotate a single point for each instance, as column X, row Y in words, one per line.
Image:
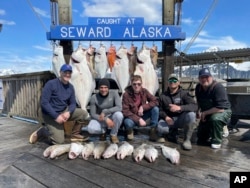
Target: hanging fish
column 154, row 55
column 111, row 57
column 101, row 62
column 132, row 56
column 82, row 78
column 57, row 60
column 120, row 71
column 146, row 70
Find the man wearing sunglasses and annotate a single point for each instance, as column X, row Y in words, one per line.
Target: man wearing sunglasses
column 214, row 109
column 177, row 110
column 58, row 106
column 138, row 105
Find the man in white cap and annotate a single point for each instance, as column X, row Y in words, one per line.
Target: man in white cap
column 58, row 106
column 177, row 110
column 214, row 109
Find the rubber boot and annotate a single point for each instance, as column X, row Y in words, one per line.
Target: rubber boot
column 188, row 132
column 76, row 133
column 172, row 136
column 153, row 134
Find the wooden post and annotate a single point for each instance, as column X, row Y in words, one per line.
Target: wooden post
column 65, row 17
column 168, row 47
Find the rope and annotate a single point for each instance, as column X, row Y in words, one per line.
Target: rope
column 39, row 18
column 201, row 26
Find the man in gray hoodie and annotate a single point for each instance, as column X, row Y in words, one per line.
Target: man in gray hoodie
column 105, row 112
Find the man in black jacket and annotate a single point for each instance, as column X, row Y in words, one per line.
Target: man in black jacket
column 214, row 109
column 177, row 110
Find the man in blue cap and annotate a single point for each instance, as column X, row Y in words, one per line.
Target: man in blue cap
column 58, row 106
column 214, row 109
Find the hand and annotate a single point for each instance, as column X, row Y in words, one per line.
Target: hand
column 174, row 108
column 198, row 115
column 169, row 121
column 140, row 111
column 60, row 119
column 109, row 123
column 142, row 122
column 66, row 115
column 203, row 116
column 102, row 117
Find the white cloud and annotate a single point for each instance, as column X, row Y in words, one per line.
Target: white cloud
column 42, row 12
column 43, row 48
column 149, row 9
column 187, row 21
column 2, row 12
column 6, row 22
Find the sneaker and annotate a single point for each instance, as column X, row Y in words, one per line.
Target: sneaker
column 215, row 146
column 34, row 136
column 161, row 140
column 114, row 139
column 225, row 131
column 130, row 135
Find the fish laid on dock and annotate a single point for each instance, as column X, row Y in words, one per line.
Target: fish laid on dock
column 150, row 153
column 124, row 150
column 87, row 150
column 99, row 149
column 139, row 152
column 56, row 150
column 75, row 150
column 110, row 151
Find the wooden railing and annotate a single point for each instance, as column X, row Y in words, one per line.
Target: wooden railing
column 21, row 93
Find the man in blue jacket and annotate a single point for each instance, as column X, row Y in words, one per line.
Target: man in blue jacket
column 58, row 106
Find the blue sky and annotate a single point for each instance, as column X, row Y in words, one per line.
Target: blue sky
column 24, row 47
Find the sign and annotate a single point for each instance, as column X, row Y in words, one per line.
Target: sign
column 116, row 29
column 116, row 21
column 239, row 179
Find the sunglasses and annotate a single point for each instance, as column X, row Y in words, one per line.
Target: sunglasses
column 136, row 84
column 172, row 81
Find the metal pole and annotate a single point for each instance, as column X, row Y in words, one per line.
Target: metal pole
column 168, row 47
column 1, row 26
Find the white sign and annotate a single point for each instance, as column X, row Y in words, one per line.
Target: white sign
column 1, row 95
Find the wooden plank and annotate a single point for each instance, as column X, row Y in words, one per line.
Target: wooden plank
column 157, row 174
column 94, row 173
column 12, row 178
column 48, row 174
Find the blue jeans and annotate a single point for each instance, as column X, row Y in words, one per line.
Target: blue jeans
column 184, row 119
column 153, row 114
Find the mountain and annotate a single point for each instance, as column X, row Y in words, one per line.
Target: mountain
column 7, row 72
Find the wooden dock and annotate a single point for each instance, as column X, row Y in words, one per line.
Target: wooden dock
column 23, row 165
